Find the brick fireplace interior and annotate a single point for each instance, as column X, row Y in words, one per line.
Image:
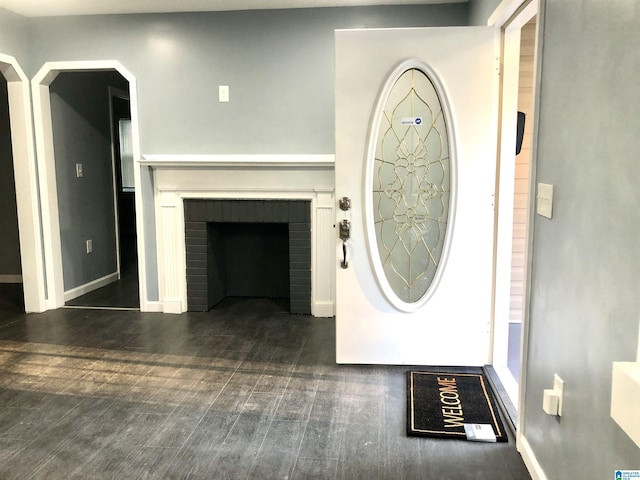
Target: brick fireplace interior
column 248, row 248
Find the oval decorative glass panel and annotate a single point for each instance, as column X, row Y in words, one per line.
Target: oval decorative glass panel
column 409, row 186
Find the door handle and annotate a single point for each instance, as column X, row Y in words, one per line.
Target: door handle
column 345, row 230
column 344, row 263
column 345, row 234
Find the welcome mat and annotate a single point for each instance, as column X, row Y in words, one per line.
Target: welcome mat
column 439, row 404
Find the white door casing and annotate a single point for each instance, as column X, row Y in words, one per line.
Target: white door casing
column 511, row 27
column 43, row 130
column 453, row 326
column 24, row 165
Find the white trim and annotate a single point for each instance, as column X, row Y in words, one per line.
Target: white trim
column 507, row 8
column 241, row 179
column 115, row 92
column 239, row 161
column 24, row 166
column 48, row 197
column 172, row 306
column 10, row 278
column 530, row 460
column 524, row 345
column 510, row 16
column 506, row 191
column 46, row 168
column 172, row 264
column 501, row 18
column 91, row 286
column 154, row 307
column 323, row 309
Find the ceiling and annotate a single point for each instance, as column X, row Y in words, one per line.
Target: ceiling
column 49, row 8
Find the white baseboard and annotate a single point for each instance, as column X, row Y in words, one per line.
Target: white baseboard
column 10, row 278
column 172, row 306
column 530, row 460
column 323, row 309
column 90, row 287
column 151, row 307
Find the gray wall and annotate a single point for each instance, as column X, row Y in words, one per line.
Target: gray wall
column 481, row 10
column 585, row 299
column 14, row 36
column 81, row 134
column 9, row 241
column 278, row 64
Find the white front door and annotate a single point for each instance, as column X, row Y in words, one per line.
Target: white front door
column 421, row 185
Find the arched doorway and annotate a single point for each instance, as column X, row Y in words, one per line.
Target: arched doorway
column 26, row 188
column 81, row 241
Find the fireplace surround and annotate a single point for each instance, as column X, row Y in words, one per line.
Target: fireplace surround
column 302, row 179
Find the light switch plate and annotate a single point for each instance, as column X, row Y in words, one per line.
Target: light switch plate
column 223, row 93
column 79, row 170
column 545, row 200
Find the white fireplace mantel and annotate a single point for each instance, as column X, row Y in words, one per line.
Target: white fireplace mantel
column 300, row 177
column 239, row 161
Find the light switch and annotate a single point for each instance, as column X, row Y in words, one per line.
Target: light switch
column 78, row 170
column 545, row 200
column 223, row 93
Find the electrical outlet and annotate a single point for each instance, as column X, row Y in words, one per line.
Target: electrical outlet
column 89, row 246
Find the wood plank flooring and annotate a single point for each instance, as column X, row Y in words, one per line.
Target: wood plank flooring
column 124, row 293
column 244, row 391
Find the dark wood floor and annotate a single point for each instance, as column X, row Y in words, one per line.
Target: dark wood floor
column 244, row 391
column 123, row 293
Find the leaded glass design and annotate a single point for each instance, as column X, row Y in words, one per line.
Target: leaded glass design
column 411, row 185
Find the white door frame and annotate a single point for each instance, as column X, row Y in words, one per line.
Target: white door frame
column 116, row 93
column 47, row 177
column 25, row 173
column 511, row 16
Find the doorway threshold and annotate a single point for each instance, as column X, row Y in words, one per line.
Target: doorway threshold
column 506, row 393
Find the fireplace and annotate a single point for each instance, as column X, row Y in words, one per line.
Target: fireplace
column 188, row 189
column 248, row 248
